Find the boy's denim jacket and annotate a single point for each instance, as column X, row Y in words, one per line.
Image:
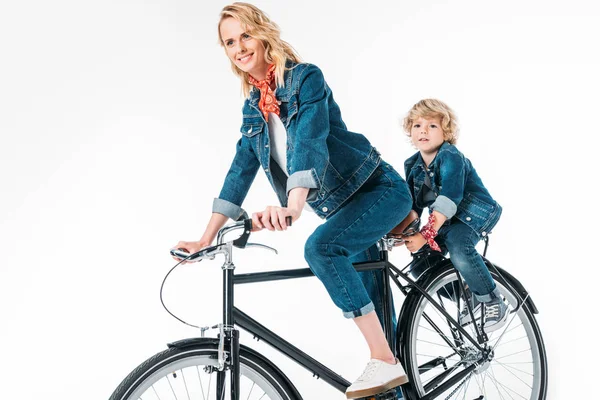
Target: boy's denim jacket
column 322, row 154
column 458, row 189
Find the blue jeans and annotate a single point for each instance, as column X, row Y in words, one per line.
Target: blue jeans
column 373, row 281
column 460, row 240
column 349, row 235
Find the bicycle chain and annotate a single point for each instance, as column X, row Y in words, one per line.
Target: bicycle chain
column 459, row 386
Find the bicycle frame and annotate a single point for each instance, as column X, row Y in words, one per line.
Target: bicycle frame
column 234, row 316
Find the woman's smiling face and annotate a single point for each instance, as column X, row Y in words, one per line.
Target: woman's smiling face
column 247, row 53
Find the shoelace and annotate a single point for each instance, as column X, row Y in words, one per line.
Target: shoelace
column 492, row 311
column 369, row 371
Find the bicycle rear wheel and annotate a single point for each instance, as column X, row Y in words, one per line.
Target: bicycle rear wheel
column 190, row 372
column 434, row 352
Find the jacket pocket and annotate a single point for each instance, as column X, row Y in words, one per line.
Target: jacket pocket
column 476, row 213
column 252, row 126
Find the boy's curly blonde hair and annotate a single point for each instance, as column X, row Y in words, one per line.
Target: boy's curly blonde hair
column 428, row 108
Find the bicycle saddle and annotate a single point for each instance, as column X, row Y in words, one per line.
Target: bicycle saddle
column 408, row 226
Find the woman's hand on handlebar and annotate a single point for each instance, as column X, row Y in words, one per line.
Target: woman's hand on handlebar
column 414, row 242
column 191, row 247
column 273, row 218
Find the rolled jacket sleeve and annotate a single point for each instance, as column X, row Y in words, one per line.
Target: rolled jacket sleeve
column 227, row 208
column 310, row 156
column 238, row 180
column 304, row 179
column 445, row 206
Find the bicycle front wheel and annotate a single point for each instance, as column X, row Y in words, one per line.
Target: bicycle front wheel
column 435, row 352
column 190, row 372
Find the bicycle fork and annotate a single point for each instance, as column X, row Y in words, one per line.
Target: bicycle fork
column 229, row 340
column 229, row 349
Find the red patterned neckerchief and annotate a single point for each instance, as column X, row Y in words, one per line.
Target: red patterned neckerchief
column 268, row 102
column 429, row 233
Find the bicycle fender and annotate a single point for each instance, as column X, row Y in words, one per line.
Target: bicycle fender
column 515, row 283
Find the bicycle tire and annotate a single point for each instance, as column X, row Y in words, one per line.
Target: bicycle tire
column 416, row 340
column 183, row 368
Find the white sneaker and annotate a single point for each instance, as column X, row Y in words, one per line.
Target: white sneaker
column 378, row 377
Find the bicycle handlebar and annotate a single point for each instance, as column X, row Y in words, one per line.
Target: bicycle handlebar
column 219, row 248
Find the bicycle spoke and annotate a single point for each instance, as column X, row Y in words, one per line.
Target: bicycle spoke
column 513, row 374
column 447, row 372
column 494, row 382
column 467, row 387
column 508, row 389
column 510, row 330
column 172, row 390
column 507, row 325
column 442, row 334
column 509, row 355
column 251, row 389
column 209, row 382
column 432, row 343
column 185, row 384
column 511, row 341
column 200, row 380
column 517, row 369
column 427, row 355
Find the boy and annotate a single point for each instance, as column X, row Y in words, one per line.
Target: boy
column 462, row 211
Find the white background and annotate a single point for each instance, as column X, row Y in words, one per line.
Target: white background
column 118, row 121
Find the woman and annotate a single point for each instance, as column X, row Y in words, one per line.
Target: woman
column 293, row 130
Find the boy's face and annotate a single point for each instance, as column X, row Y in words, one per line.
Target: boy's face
column 426, row 134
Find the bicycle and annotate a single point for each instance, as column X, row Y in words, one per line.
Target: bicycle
column 442, row 358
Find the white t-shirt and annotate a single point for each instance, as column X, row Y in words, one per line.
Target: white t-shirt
column 278, row 144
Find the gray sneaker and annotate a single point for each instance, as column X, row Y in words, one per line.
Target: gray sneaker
column 496, row 314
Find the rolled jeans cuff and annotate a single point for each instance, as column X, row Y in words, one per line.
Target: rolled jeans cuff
column 360, row 312
column 227, row 208
column 486, row 298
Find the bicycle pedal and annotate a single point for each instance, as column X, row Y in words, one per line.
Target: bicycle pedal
column 388, row 395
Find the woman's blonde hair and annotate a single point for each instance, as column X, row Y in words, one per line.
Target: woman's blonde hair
column 428, row 108
column 258, row 25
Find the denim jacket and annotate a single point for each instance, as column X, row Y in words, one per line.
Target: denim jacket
column 459, row 192
column 322, row 155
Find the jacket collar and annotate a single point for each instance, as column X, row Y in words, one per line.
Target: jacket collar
column 419, row 160
column 282, row 94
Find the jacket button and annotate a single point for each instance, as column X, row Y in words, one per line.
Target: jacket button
column 324, row 209
column 250, row 130
column 431, row 174
column 266, row 169
column 266, row 146
column 468, row 218
column 483, row 233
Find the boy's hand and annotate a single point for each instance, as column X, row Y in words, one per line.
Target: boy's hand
column 415, row 242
